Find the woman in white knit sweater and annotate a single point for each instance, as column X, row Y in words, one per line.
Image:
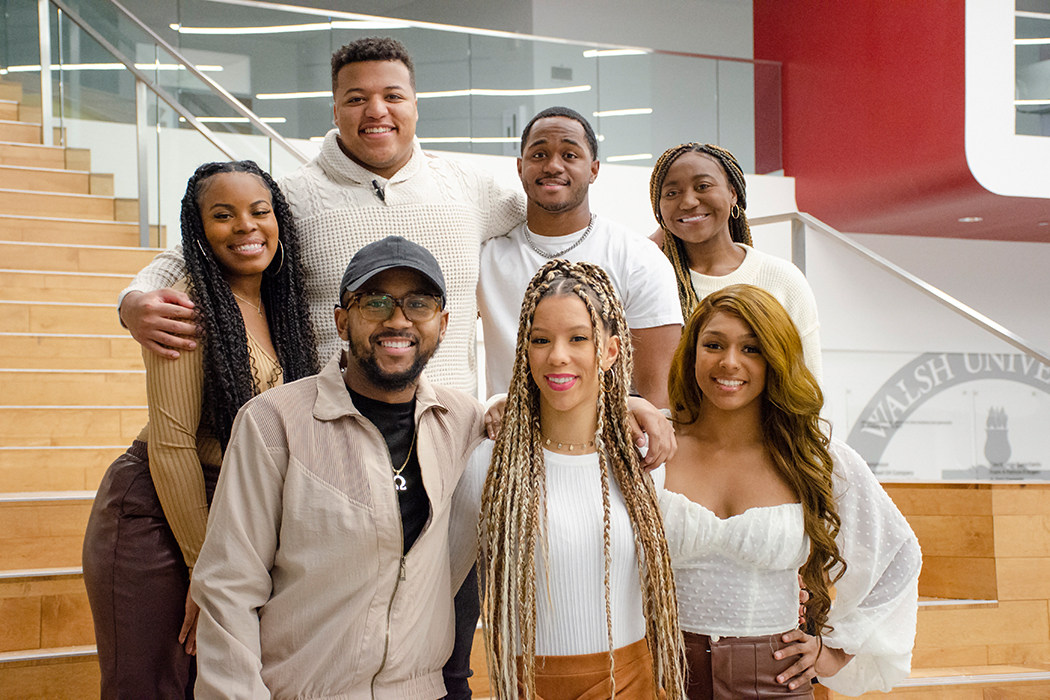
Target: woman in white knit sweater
column 579, row 591
column 756, row 492
column 699, row 197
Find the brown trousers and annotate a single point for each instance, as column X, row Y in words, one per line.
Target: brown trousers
column 586, row 676
column 136, row 583
column 737, row 668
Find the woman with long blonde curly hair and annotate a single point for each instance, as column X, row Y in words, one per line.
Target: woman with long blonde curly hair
column 756, row 492
column 579, row 591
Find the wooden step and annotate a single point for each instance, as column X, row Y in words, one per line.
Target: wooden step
column 9, row 110
column 44, row 608
column 70, row 426
column 19, row 177
column 19, row 255
column 11, row 91
column 58, row 317
column 1003, row 682
column 69, row 351
column 38, row 229
column 73, row 387
column 69, row 673
column 54, row 468
column 43, row 530
column 19, row 132
column 33, row 155
column 88, row 287
column 83, row 206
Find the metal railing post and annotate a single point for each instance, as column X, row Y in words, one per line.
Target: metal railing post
column 47, row 119
column 142, row 137
column 798, row 244
column 800, row 222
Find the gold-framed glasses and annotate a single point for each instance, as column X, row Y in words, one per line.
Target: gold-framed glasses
column 418, row 308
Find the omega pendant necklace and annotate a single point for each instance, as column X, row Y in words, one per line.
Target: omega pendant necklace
column 399, row 481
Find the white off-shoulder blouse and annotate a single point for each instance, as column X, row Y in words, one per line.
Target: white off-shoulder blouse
column 737, row 577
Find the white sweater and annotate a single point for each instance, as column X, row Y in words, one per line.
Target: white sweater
column 786, row 283
column 570, row 589
column 442, row 204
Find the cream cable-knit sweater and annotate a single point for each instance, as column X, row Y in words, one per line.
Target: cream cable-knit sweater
column 786, row 283
column 442, row 204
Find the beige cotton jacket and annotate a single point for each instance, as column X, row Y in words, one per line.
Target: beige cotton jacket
column 303, row 589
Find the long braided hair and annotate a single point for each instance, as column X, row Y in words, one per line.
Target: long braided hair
column 513, row 498
column 674, row 248
column 228, row 381
column 791, row 425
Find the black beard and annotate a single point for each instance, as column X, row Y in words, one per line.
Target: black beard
column 391, row 381
column 387, row 381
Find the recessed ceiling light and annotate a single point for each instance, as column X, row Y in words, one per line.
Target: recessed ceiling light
column 971, row 219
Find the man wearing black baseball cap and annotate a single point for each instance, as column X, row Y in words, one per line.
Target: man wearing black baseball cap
column 326, row 570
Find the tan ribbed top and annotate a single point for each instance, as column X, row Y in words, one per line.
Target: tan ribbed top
column 179, row 443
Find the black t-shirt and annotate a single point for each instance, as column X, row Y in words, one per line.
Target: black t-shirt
column 396, row 422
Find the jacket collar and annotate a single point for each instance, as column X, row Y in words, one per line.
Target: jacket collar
column 333, row 400
column 339, row 168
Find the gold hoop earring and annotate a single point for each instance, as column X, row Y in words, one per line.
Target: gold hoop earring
column 736, row 211
column 280, row 247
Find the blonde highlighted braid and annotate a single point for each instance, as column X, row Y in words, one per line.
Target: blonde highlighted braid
column 514, row 495
column 674, row 248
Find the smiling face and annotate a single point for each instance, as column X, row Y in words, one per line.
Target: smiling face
column 387, row 357
column 375, row 112
column 556, row 166
column 239, row 223
column 730, row 368
column 696, row 199
column 562, row 354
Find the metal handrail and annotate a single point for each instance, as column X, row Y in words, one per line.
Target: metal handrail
column 974, row 317
column 229, row 99
column 143, row 78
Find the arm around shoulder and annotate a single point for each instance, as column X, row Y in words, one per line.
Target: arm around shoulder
column 160, row 318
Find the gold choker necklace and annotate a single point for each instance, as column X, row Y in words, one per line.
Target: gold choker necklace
column 571, row 447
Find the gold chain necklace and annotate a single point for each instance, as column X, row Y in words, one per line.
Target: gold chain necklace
column 257, row 308
column 571, row 447
column 399, row 481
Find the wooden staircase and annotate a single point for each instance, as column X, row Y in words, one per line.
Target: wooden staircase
column 72, row 394
column 72, row 398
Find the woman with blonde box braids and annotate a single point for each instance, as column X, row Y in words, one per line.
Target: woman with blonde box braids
column 699, row 198
column 579, row 593
column 756, row 492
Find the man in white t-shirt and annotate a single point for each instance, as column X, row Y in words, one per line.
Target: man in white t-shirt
column 558, row 163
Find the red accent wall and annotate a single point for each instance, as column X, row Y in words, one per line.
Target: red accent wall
column 874, row 118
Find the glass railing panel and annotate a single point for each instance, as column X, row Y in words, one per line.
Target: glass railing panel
column 19, row 49
column 277, row 63
column 640, row 101
column 1032, row 51
column 921, row 392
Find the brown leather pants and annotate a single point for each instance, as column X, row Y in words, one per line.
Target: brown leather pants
column 136, row 583
column 737, row 668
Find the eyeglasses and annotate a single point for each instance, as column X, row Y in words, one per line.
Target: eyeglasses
column 418, row 308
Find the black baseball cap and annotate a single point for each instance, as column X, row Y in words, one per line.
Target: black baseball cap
column 386, row 254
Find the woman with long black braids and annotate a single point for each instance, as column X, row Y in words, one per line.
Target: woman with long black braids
column 149, row 517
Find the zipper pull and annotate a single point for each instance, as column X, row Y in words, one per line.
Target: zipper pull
column 401, row 576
